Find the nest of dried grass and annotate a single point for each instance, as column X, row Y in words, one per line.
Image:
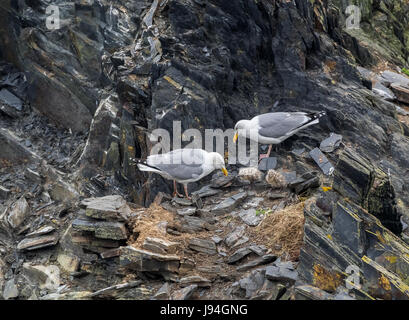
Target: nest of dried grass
column 283, row 231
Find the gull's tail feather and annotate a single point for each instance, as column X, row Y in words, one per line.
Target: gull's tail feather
column 314, row 119
column 143, row 166
column 317, row 115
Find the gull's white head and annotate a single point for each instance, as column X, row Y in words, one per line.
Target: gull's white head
column 240, row 125
column 218, row 162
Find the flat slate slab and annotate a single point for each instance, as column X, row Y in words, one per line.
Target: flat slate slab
column 322, row 161
column 144, row 260
column 267, row 164
column 331, row 143
column 112, row 207
column 102, row 229
column 203, row 245
column 37, row 243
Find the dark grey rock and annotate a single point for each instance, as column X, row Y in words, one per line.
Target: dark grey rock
column 37, row 242
column 10, row 99
column 10, row 290
column 322, row 161
column 111, row 207
column 161, row 246
column 4, row 193
column 383, row 91
column 217, row 239
column 250, row 217
column 188, row 211
column 230, row 203
column 163, row 293
column 147, row 261
column 239, row 255
column 253, row 282
column 19, row 211
column 331, row 143
column 298, row 151
column 234, row 236
column 267, row 164
column 389, row 77
column 102, row 229
column 268, row 258
column 203, row 245
column 206, row 191
column 13, row 151
column 182, row 201
column 41, row 231
column 194, row 224
column 32, row 176
column 199, row 281
column 185, row 293
column 221, row 181
column 281, row 273
column 401, row 92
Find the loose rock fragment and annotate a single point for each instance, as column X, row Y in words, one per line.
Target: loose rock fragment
column 202, row 245
column 32, row 176
column 233, row 237
column 19, row 212
column 401, row 92
column 257, row 262
column 10, row 290
column 41, row 231
column 37, row 243
column 188, row 211
column 199, row 281
column 389, row 77
column 281, row 273
column 185, row 293
column 102, row 229
column 9, row 99
column 143, row 260
column 4, row 193
column 107, row 208
column 322, row 161
column 163, row 293
column 250, row 217
column 268, row 164
column 160, row 245
column 229, row 204
column 331, row 143
column 48, row 277
column 68, row 262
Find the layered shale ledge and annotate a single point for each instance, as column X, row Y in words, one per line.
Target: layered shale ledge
column 79, row 221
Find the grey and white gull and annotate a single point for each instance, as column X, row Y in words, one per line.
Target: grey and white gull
column 184, row 166
column 275, row 127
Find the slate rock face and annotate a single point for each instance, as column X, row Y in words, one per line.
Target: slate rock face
column 86, row 77
column 358, row 180
column 355, row 237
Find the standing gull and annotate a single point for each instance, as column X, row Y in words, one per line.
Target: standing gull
column 184, row 166
column 275, row 127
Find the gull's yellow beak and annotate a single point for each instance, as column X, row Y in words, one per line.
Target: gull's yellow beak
column 236, row 135
column 225, row 171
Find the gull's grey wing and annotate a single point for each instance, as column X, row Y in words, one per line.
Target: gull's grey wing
column 179, row 156
column 279, row 124
column 181, row 164
column 182, row 171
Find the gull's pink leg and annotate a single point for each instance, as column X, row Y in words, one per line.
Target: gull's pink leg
column 175, row 188
column 262, row 156
column 186, row 193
